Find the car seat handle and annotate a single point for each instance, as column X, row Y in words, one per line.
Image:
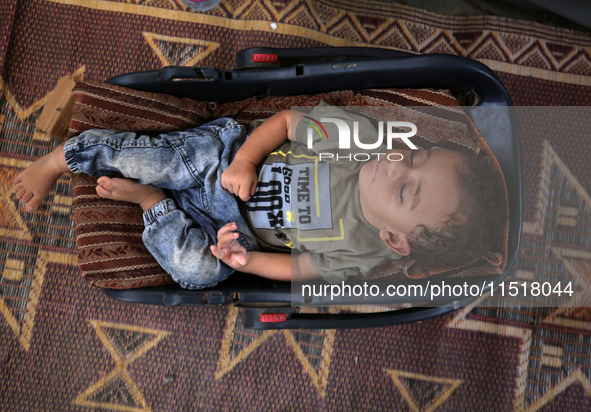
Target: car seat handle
column 257, row 318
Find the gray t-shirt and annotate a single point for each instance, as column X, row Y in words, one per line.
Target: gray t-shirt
column 308, row 201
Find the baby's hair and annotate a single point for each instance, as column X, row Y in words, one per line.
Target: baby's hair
column 471, row 231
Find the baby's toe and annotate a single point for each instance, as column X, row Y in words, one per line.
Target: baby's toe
column 25, row 196
column 33, row 204
column 102, row 192
column 106, row 183
column 20, row 192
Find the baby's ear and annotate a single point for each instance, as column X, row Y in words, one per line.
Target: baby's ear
column 397, row 242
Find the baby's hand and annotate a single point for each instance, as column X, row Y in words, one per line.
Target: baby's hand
column 228, row 250
column 240, row 179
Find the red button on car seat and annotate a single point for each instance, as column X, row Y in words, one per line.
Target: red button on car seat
column 273, row 317
column 265, row 58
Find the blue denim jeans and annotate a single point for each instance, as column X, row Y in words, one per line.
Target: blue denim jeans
column 188, row 164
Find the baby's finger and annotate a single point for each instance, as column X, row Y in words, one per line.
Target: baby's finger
column 230, row 187
column 218, row 253
column 224, row 181
column 225, row 240
column 244, row 193
column 228, row 227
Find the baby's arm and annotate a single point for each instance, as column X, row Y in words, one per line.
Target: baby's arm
column 276, row 266
column 240, row 178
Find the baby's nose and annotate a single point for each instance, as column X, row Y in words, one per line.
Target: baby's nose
column 397, row 169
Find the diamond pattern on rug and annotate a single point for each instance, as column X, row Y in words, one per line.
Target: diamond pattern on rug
column 126, row 344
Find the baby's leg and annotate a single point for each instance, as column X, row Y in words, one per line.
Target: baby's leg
column 175, row 160
column 34, row 183
column 178, row 243
column 128, row 190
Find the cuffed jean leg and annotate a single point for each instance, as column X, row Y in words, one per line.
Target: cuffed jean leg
column 181, row 248
column 175, row 160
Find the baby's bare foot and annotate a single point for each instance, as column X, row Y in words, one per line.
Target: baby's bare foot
column 34, row 183
column 128, row 190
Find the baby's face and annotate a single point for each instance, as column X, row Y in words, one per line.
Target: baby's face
column 396, row 196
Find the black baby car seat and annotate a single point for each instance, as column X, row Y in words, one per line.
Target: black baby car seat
column 276, row 72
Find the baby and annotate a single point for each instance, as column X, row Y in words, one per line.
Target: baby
column 215, row 202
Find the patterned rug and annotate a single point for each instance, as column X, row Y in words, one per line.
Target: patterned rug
column 65, row 346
